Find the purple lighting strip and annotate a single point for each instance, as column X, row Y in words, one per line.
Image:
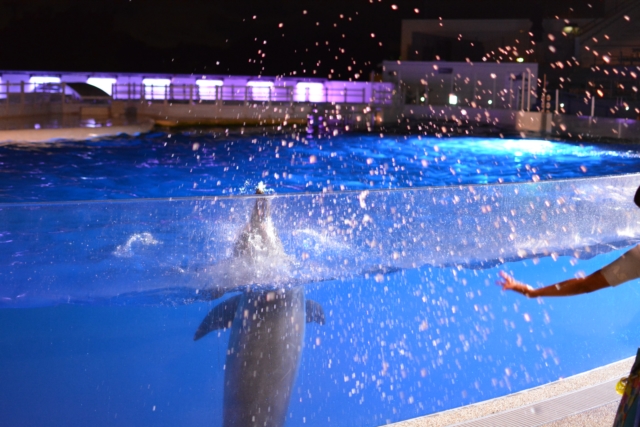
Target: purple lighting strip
column 204, row 88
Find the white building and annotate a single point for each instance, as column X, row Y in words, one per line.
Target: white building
column 485, row 85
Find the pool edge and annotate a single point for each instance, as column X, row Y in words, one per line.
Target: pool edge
column 13, row 136
column 510, row 402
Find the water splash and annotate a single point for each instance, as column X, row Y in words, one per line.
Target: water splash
column 143, row 239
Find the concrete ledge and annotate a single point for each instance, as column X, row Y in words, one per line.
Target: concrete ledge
column 597, row 385
column 229, row 122
column 598, row 417
column 72, row 133
column 526, row 122
column 249, row 114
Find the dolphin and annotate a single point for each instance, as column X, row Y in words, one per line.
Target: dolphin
column 267, row 325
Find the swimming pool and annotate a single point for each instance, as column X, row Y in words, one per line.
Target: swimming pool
column 200, row 163
column 100, row 300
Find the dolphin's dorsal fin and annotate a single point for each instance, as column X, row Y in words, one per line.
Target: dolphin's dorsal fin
column 220, row 317
column 315, row 313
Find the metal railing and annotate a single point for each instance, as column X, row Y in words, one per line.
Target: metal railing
column 31, row 93
column 244, row 94
column 23, row 92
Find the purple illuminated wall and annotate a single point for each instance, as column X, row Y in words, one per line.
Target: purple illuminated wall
column 182, row 87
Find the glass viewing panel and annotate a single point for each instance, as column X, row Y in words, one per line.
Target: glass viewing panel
column 353, row 308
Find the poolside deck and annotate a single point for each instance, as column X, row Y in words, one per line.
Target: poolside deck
column 587, row 399
column 65, row 127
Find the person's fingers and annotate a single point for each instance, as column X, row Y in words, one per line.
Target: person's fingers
column 508, row 283
column 507, row 279
column 504, row 275
column 516, row 287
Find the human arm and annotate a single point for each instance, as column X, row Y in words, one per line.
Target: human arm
column 623, row 269
column 577, row 286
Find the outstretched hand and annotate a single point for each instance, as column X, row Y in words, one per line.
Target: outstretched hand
column 508, row 283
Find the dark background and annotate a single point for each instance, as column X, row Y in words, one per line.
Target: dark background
column 223, row 37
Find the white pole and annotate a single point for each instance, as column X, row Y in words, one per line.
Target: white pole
column 593, row 106
column 529, row 94
column 493, row 95
column 218, row 95
column 64, row 89
column 557, row 101
column 620, row 129
column 544, row 94
column 426, row 93
column 475, row 83
column 21, row 97
column 451, row 88
column 523, row 81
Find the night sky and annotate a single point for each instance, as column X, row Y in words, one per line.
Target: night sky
column 340, row 38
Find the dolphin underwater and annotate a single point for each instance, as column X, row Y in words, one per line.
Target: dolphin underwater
column 267, row 331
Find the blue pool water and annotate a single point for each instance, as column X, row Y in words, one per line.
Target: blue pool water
column 205, row 164
column 100, row 300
